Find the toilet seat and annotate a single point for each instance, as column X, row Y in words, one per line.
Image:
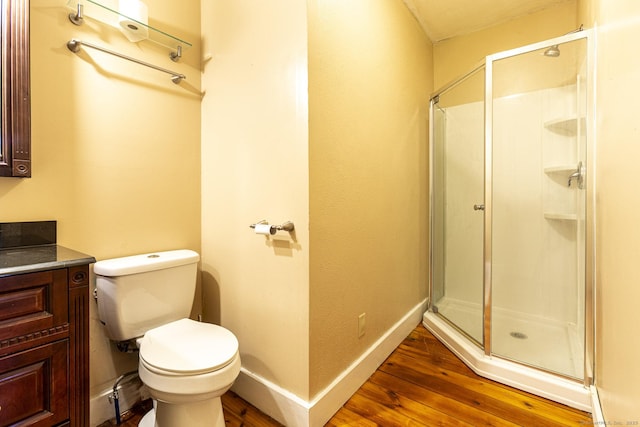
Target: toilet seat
column 187, row 347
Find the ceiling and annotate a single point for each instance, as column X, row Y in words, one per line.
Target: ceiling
column 443, row 19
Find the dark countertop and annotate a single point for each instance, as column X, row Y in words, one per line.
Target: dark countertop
column 30, row 259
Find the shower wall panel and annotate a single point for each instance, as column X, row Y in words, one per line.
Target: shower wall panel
column 534, row 255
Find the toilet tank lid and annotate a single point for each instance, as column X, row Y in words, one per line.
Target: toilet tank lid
column 145, row 262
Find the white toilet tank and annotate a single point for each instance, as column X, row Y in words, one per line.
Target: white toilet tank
column 141, row 292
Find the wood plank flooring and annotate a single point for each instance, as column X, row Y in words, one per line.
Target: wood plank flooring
column 423, row 384
column 237, row 413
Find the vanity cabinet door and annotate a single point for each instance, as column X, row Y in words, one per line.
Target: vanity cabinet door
column 33, row 386
column 44, row 348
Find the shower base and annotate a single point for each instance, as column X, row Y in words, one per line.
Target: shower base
column 549, row 345
column 553, row 346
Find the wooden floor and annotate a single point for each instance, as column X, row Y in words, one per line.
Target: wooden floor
column 423, row 384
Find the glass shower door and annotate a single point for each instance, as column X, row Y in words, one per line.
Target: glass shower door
column 457, row 191
column 537, row 204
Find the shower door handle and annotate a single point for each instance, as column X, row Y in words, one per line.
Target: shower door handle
column 478, row 207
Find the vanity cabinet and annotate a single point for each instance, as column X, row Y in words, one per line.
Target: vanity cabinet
column 44, row 348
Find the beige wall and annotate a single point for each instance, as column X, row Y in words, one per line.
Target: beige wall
column 618, row 202
column 455, row 57
column 254, row 167
column 370, row 76
column 117, row 161
column 116, row 148
column 294, row 303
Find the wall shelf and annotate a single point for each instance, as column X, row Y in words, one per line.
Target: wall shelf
column 561, row 216
column 560, row 169
column 105, row 11
column 566, row 126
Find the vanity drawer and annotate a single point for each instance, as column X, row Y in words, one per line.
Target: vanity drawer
column 33, row 307
column 34, row 386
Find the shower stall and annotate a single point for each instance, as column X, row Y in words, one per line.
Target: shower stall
column 511, row 179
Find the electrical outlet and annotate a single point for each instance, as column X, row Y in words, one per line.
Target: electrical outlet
column 361, row 324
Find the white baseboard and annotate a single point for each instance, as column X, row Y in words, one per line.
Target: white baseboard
column 596, row 408
column 273, row 400
column 291, row 410
column 102, row 409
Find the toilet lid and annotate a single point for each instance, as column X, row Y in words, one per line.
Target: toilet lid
column 187, row 346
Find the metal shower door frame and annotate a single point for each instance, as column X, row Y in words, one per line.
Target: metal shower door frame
column 589, row 285
column 590, row 184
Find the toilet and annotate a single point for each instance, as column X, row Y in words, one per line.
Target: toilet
column 185, row 364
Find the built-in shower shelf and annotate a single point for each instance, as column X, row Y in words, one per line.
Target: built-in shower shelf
column 566, row 126
column 561, row 216
column 560, row 169
column 106, row 12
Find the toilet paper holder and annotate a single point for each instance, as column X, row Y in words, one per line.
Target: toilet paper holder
column 273, row 229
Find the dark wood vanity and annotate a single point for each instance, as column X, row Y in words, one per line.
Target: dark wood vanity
column 44, row 336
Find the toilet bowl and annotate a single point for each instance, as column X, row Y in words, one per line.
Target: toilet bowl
column 186, row 365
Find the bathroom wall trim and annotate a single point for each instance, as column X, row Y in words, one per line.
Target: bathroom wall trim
column 596, row 408
column 101, row 407
column 290, row 409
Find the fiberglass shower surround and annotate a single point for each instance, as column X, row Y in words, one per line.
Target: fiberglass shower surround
column 510, row 189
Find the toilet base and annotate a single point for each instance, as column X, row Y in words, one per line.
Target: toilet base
column 149, row 419
column 205, row 413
